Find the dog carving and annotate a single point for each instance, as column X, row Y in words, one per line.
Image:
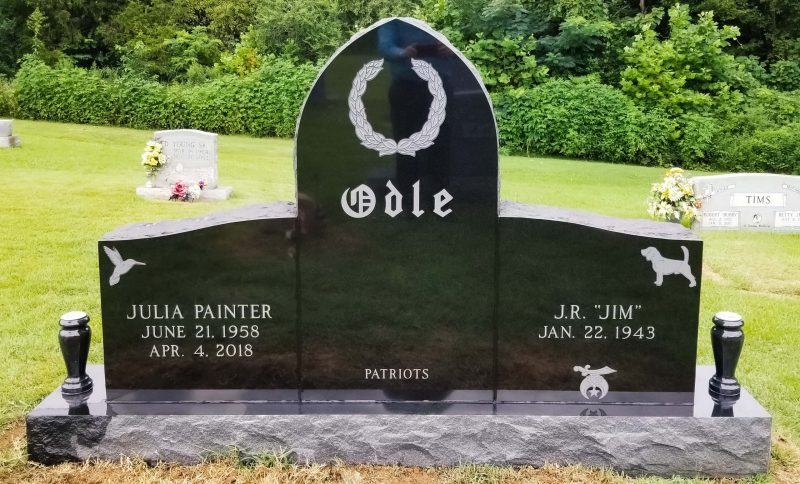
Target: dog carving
column 664, row 267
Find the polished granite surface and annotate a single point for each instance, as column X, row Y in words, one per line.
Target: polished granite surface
column 97, row 405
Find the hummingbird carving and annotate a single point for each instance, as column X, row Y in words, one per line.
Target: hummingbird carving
column 121, row 267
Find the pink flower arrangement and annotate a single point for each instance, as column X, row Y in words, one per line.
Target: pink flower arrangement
column 184, row 192
column 179, row 190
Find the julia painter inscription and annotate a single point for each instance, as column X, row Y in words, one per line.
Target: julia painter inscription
column 206, row 322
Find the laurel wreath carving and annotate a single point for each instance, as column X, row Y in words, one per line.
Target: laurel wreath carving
column 417, row 141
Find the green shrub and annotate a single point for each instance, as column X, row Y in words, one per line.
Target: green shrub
column 265, row 103
column 696, row 139
column 785, row 75
column 775, row 150
column 582, row 118
column 688, row 71
column 178, row 58
column 8, row 100
column 64, row 94
column 762, row 136
column 506, row 62
column 767, row 107
column 148, row 104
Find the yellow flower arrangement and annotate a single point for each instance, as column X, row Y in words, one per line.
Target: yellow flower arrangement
column 153, row 158
column 673, row 199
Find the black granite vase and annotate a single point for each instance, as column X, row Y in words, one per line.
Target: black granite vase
column 74, row 338
column 727, row 339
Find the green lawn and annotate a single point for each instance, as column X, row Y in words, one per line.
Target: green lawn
column 69, row 184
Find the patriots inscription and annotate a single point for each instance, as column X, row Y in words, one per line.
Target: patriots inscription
column 398, row 275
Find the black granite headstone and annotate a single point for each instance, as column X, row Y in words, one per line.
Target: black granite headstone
column 397, row 276
column 201, row 309
column 397, row 146
column 595, row 309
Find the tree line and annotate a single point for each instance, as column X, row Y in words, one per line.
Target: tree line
column 709, row 83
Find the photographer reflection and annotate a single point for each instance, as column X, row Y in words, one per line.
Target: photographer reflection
column 410, row 101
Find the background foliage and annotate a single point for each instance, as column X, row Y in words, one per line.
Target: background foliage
column 264, row 103
column 704, row 83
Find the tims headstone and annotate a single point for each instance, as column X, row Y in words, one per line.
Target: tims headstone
column 749, row 201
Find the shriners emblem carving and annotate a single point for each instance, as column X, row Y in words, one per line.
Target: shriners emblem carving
column 420, row 140
column 593, row 384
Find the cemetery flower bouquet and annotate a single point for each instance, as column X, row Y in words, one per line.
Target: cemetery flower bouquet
column 153, row 158
column 184, row 192
column 673, row 199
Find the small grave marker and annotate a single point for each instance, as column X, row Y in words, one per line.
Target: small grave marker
column 7, row 138
column 191, row 158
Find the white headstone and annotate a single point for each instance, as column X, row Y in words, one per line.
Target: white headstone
column 5, row 128
column 7, row 139
column 749, row 201
column 191, row 157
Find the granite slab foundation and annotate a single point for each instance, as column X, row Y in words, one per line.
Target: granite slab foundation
column 210, row 194
column 644, row 439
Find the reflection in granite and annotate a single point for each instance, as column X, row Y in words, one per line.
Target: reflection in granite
column 212, row 308
column 577, row 289
column 98, row 404
column 393, row 279
column 398, row 304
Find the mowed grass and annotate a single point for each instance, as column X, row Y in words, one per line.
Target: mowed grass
column 70, row 184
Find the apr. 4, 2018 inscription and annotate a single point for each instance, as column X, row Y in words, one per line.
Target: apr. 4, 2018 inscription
column 570, row 322
column 234, row 324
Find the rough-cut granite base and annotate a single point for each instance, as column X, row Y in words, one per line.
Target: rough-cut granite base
column 219, row 193
column 10, row 142
column 502, row 434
